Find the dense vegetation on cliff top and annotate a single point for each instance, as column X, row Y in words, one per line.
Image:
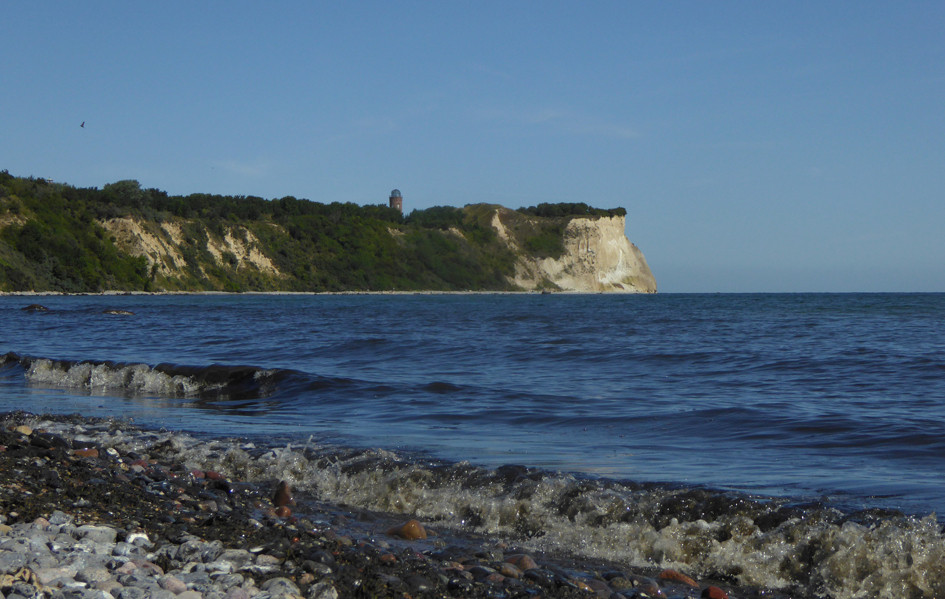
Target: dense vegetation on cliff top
column 53, row 237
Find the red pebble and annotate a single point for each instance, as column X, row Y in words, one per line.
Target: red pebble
column 91, row 452
column 714, row 593
column 283, row 495
column 197, row 473
column 283, row 512
column 675, row 576
column 212, row 475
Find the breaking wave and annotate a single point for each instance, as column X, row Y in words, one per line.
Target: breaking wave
column 803, row 550
column 165, row 380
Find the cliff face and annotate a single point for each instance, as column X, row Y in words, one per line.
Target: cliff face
column 55, row 237
column 164, row 245
column 597, row 257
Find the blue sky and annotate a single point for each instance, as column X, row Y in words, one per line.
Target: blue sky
column 756, row 146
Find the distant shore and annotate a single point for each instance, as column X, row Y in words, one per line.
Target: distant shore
column 425, row 292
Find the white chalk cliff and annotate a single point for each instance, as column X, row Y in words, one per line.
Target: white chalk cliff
column 597, row 258
column 596, row 255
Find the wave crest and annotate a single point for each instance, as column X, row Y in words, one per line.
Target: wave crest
column 133, row 379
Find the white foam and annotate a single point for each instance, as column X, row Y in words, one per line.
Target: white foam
column 898, row 558
column 106, row 378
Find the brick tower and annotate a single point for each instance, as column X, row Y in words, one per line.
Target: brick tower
column 397, row 200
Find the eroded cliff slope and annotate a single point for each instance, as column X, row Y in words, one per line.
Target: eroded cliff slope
column 596, row 257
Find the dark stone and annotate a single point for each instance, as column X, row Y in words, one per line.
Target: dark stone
column 419, row 583
column 48, row 441
column 542, row 577
column 460, row 585
column 53, row 479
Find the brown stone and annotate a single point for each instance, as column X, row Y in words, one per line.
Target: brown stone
column 410, row 530
column 283, row 511
column 522, row 561
column 283, row 495
column 172, row 584
column 714, row 593
column 152, row 568
column 674, row 576
column 510, row 570
column 90, row 452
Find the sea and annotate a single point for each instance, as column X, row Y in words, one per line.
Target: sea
column 794, row 442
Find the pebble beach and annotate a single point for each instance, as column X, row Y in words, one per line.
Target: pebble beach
column 84, row 516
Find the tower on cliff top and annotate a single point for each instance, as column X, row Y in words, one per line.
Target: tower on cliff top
column 397, row 200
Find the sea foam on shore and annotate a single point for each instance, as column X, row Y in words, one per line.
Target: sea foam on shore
column 752, row 542
column 100, row 509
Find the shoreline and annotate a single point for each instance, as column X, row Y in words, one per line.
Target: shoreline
column 303, row 293
column 147, row 293
column 109, row 474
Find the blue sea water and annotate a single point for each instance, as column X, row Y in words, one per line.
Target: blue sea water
column 836, row 400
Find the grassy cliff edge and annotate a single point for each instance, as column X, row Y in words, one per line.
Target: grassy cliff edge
column 59, row 238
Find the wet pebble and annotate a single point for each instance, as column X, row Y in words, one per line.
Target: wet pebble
column 23, row 430
column 419, row 583
column 674, row 576
column 280, row 587
column 522, row 561
column 510, row 570
column 411, row 530
column 282, row 495
column 648, row 587
column 714, row 593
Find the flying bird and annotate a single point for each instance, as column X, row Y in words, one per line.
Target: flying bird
column 83, row 124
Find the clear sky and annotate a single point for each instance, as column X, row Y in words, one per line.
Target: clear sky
column 757, row 146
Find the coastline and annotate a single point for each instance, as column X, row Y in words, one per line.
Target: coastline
column 63, row 474
column 519, row 466
column 304, row 293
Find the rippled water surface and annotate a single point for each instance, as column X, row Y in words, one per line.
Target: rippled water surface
column 805, row 396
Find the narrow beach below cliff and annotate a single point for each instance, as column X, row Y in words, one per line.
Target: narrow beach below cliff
column 119, row 516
